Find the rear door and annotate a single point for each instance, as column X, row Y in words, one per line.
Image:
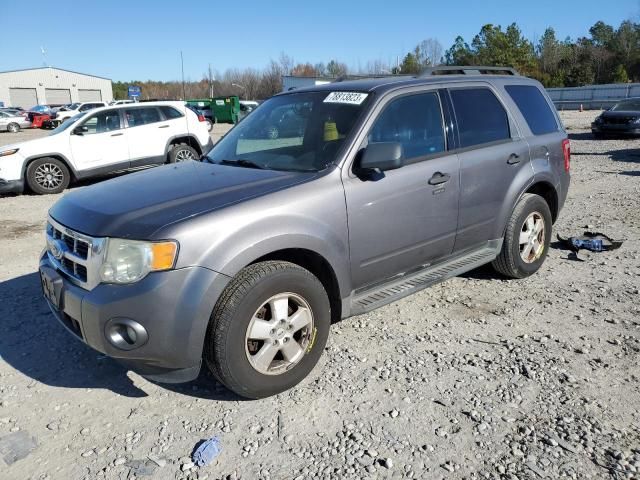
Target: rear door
column 492, row 154
column 545, row 134
column 406, row 218
column 147, row 135
column 100, row 142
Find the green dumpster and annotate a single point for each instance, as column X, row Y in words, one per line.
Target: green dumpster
column 226, row 109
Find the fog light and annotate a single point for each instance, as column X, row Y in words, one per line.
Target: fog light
column 125, row 334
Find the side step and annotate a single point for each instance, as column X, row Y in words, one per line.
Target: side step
column 398, row 288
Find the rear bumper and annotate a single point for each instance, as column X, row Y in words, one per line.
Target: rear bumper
column 11, row 186
column 173, row 307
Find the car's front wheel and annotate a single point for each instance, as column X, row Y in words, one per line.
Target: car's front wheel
column 13, row 128
column 526, row 239
column 47, row 176
column 268, row 329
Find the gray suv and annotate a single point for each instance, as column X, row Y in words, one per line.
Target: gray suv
column 372, row 190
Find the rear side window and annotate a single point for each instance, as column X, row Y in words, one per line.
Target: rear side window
column 534, row 108
column 142, row 116
column 481, row 117
column 414, row 121
column 170, row 113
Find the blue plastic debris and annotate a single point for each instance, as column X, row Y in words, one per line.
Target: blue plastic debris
column 207, row 451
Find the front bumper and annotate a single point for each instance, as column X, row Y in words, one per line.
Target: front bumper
column 11, row 186
column 631, row 130
column 173, row 306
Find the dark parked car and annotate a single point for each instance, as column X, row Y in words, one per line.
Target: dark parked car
column 623, row 119
column 373, row 190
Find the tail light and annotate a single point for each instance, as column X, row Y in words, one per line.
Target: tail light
column 566, row 150
column 201, row 118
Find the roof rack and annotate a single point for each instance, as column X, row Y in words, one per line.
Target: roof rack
column 467, row 70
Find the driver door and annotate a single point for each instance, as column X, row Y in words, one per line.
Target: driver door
column 100, row 141
column 404, row 219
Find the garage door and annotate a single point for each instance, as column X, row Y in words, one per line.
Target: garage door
column 23, row 97
column 57, row 96
column 89, row 95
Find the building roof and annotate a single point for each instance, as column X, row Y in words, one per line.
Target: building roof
column 53, row 68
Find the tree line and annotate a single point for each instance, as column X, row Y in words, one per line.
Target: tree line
column 606, row 55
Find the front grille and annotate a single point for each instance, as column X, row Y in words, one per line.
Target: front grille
column 77, row 256
column 74, row 244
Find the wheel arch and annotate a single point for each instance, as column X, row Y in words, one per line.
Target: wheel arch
column 318, row 266
column 190, row 140
column 57, row 156
column 550, row 195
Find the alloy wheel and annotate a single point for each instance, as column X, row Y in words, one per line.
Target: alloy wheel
column 279, row 333
column 49, row 176
column 532, row 236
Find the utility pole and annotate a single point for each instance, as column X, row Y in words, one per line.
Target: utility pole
column 211, row 79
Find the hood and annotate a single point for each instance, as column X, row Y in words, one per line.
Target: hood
column 620, row 114
column 36, row 146
column 138, row 204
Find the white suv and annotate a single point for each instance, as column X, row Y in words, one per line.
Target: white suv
column 104, row 140
column 66, row 112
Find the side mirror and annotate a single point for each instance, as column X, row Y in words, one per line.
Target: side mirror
column 382, row 156
column 80, row 130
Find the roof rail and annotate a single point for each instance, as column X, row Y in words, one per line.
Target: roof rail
column 467, row 70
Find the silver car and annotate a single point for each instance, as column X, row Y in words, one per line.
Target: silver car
column 11, row 122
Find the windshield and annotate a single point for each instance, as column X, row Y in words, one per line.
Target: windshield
column 295, row 132
column 66, row 124
column 627, row 106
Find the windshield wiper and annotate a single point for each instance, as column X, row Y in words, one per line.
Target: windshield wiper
column 243, row 163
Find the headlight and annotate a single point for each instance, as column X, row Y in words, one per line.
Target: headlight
column 6, row 153
column 128, row 261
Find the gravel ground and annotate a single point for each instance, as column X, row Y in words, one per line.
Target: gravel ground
column 478, row 377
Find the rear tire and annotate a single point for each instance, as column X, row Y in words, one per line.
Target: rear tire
column 182, row 153
column 209, row 125
column 526, row 239
column 47, row 176
column 13, row 128
column 288, row 308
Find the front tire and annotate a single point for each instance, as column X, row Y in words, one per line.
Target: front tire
column 47, row 176
column 268, row 329
column 526, row 239
column 13, row 128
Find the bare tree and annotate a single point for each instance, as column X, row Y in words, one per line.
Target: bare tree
column 429, row 52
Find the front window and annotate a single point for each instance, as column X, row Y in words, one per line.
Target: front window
column 627, row 106
column 296, row 132
column 66, row 124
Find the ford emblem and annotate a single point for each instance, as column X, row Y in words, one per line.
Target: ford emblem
column 57, row 249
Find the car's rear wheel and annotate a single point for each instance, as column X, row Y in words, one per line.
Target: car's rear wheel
column 182, row 153
column 13, row 128
column 209, row 125
column 526, row 239
column 268, row 329
column 47, row 176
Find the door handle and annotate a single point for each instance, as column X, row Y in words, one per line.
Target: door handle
column 117, row 134
column 163, row 126
column 439, row 178
column 513, row 159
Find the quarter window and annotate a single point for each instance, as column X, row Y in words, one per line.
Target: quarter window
column 414, row 121
column 170, row 113
column 481, row 117
column 106, row 121
column 534, row 108
column 142, row 116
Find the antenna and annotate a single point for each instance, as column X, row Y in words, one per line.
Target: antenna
column 44, row 56
column 184, row 92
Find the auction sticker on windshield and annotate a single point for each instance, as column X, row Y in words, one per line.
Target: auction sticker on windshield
column 353, row 98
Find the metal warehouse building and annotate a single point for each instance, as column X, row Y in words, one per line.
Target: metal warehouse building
column 52, row 86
